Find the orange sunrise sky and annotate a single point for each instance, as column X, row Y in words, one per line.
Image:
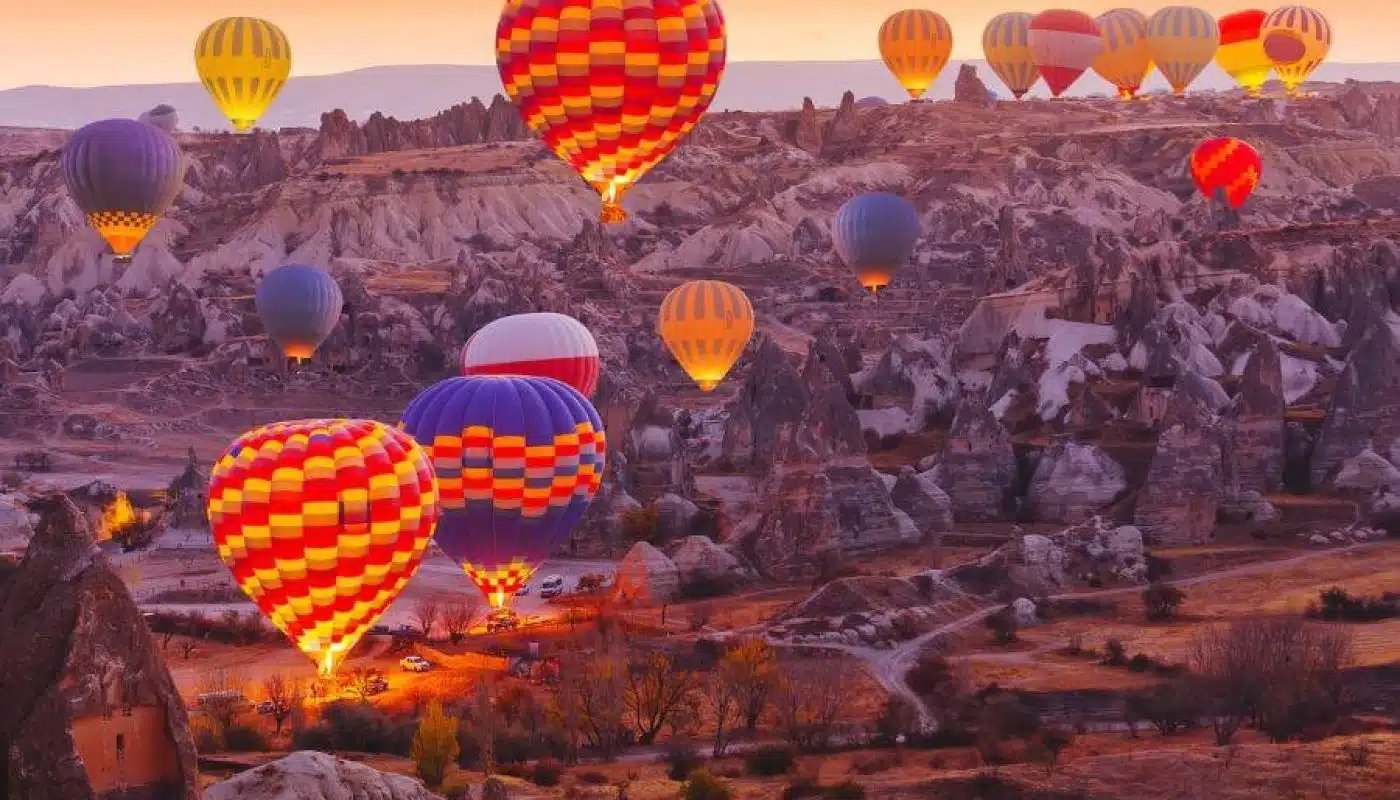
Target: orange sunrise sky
column 103, row 42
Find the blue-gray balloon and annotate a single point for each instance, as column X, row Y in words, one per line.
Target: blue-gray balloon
column 299, row 306
column 875, row 235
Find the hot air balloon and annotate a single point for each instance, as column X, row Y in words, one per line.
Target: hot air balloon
column 243, row 63
column 1125, row 60
column 124, row 175
column 1006, row 45
column 299, row 306
column 875, row 234
column 518, row 460
column 322, row 522
column 915, row 45
column 611, row 87
column 706, row 325
column 1228, row 165
column 1183, row 41
column 1241, row 54
column 1064, row 44
column 543, row 345
column 1296, row 39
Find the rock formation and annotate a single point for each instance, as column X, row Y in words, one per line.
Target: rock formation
column 1179, row 499
column 87, row 707
column 979, row 466
column 646, row 576
column 968, row 88
column 1257, row 435
column 1073, row 482
column 464, row 123
column 309, row 775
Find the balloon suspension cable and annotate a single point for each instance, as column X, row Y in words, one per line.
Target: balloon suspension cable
column 327, row 667
column 498, row 598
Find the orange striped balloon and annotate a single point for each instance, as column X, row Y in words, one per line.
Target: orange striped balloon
column 322, row 522
column 1227, row 165
column 611, row 85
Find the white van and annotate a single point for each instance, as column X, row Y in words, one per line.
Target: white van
column 552, row 586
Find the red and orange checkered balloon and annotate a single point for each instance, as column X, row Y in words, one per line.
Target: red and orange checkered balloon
column 322, row 522
column 611, row 85
column 1227, row 164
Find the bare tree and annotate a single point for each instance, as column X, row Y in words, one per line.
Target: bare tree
column 426, row 612
column 459, row 616
column 724, row 694
column 657, row 692
column 486, row 725
column 364, row 682
column 812, row 698
column 223, row 696
column 566, row 710
column 282, row 695
column 597, row 685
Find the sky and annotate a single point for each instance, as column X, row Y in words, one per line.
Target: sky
column 107, row 42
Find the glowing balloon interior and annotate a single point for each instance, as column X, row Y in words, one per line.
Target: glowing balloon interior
column 322, row 523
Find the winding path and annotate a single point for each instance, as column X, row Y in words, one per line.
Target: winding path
column 890, row 666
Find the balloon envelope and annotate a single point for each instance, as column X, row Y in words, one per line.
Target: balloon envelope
column 1241, row 54
column 1296, row 39
column 915, row 45
column 611, row 87
column 1125, row 60
column 322, row 522
column 243, row 62
column 124, row 175
column 518, row 460
column 1228, row 165
column 1183, row 41
column 875, row 234
column 299, row 306
column 1006, row 45
column 542, row 345
column 1064, row 44
column 706, row 325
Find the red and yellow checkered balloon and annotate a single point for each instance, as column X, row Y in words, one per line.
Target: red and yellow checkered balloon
column 1226, row 164
column 611, row 85
column 322, row 522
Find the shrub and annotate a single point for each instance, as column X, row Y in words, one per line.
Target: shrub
column 359, row 727
column 1337, row 605
column 642, row 524
column 316, row 737
column 1003, row 625
column 1114, row 653
column 547, row 772
column 705, row 786
column 592, row 777
column 770, row 760
column 435, row 745
column 681, row 760
column 243, row 738
column 1162, row 601
column 845, row 790
column 1141, row 662
column 1157, row 568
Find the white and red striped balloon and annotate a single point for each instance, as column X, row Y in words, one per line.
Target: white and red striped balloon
column 542, row 345
column 1064, row 43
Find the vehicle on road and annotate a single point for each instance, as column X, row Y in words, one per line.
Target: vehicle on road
column 379, row 630
column 522, row 591
column 552, row 586
column 266, row 708
column 502, row 619
column 415, row 664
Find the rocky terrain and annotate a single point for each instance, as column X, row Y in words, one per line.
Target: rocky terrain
column 1079, row 334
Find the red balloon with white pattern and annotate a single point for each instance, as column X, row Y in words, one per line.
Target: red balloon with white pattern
column 543, row 345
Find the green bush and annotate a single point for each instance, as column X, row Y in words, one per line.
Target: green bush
column 770, row 760
column 845, row 790
column 704, row 786
column 547, row 772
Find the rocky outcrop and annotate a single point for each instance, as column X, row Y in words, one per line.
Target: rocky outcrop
column 807, row 132
column 1072, row 482
column 843, row 133
column 1179, row 499
column 701, row 562
column 979, row 466
column 919, row 496
column 1365, row 407
column 87, row 707
column 968, row 88
column 646, row 576
column 310, row 775
column 917, row 371
column 162, row 117
column 464, row 123
column 1257, row 435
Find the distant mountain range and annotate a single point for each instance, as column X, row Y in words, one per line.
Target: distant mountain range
column 409, row 92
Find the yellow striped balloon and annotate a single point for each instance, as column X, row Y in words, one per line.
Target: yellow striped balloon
column 915, row 44
column 1241, row 52
column 243, row 63
column 1125, row 60
column 706, row 325
column 1007, row 48
column 1182, row 41
column 1296, row 39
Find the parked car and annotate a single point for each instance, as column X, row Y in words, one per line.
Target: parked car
column 502, row 619
column 552, row 586
column 523, row 590
column 379, row 630
column 415, row 664
column 266, row 708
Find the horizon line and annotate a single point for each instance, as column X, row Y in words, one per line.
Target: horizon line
column 195, row 80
